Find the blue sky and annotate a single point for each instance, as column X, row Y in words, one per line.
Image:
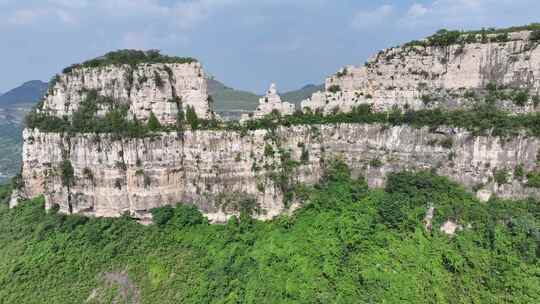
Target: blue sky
column 245, row 43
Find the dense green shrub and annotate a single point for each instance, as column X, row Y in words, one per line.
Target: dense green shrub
column 153, row 123
column 520, row 97
column 162, row 215
column 501, row 176
column 533, row 180
column 444, row 38
column 180, row 216
column 192, row 118
column 334, row 88
column 519, row 172
column 347, row 245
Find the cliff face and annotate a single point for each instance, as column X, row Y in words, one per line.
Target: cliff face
column 224, row 172
column 417, row 76
column 161, row 88
column 218, row 171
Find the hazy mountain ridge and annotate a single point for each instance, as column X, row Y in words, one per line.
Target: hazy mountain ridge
column 28, row 92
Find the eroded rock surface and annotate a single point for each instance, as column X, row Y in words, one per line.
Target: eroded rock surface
column 416, row 77
column 159, row 88
column 207, row 168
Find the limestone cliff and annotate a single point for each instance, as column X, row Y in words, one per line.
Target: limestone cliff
column 223, row 172
column 210, row 169
column 420, row 75
column 159, row 88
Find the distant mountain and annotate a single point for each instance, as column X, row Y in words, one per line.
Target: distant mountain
column 28, row 92
column 298, row 95
column 229, row 99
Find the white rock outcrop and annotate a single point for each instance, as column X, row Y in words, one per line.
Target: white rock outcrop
column 161, row 88
column 271, row 102
column 416, row 77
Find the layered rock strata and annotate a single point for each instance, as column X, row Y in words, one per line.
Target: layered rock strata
column 212, row 169
column 419, row 76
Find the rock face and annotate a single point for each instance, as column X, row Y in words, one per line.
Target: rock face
column 416, row 76
column 213, row 169
column 224, row 172
column 271, row 102
column 161, row 88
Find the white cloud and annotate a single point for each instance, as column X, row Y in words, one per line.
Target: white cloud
column 25, row 16
column 33, row 16
column 368, row 19
column 417, row 10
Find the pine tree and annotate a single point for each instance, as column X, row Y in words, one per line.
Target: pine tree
column 153, row 123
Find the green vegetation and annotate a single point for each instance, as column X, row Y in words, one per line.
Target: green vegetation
column 67, row 173
column 191, row 118
column 501, row 176
column 519, row 172
column 334, row 88
column 444, row 37
column 129, row 57
column 347, row 245
column 5, row 193
column 376, row 163
column 483, row 119
column 153, row 123
column 533, row 180
column 86, row 119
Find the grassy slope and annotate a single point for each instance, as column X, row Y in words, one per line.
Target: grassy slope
column 349, row 245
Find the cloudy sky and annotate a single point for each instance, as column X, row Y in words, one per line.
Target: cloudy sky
column 245, row 43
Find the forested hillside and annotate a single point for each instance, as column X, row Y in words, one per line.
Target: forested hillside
column 347, row 245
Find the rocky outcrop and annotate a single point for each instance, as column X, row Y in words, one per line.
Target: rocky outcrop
column 270, row 103
column 159, row 88
column 218, row 171
column 417, row 76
